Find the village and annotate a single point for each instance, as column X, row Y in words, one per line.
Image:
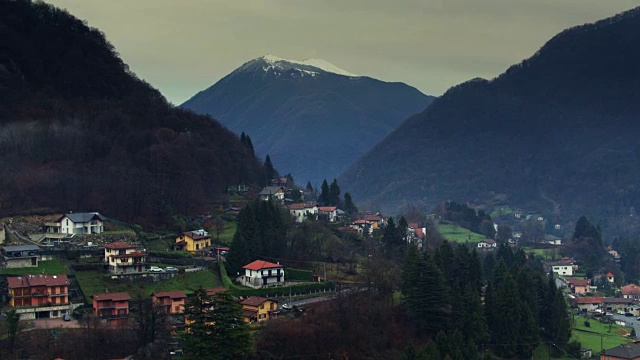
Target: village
column 82, row 265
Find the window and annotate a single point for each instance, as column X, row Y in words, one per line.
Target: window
column 262, row 306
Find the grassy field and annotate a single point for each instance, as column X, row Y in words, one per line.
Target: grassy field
column 91, row 282
column 49, row 267
column 458, row 234
column 547, row 254
column 227, row 234
column 598, row 333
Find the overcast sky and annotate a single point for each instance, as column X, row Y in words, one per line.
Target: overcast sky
column 184, row 46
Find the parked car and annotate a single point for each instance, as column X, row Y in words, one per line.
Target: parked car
column 171, row 269
column 66, row 318
column 155, row 269
column 628, row 314
column 287, row 306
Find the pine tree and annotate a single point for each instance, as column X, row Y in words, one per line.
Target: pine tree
column 349, row 207
column 270, row 171
column 309, row 187
column 323, row 199
column 507, row 317
column 334, row 194
column 215, row 329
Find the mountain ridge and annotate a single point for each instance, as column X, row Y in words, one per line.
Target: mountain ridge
column 312, row 123
column 518, row 134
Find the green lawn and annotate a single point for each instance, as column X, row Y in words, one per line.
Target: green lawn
column 598, row 333
column 49, row 267
column 92, row 282
column 458, row 234
column 227, row 234
column 547, row 254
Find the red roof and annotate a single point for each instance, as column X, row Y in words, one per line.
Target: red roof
column 631, row 289
column 133, row 254
column 255, row 300
column 609, row 274
column 175, row 294
column 261, row 264
column 120, row 245
column 327, row 208
column 215, row 290
column 419, row 233
column 222, row 248
column 589, row 300
column 119, row 296
column 37, row 280
column 578, row 282
column 301, row 206
column 373, row 218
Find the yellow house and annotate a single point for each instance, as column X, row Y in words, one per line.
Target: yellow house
column 256, row 308
column 193, row 240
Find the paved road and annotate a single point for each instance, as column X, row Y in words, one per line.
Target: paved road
column 629, row 321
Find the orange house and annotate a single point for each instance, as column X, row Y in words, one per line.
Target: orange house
column 49, row 293
column 256, row 308
column 171, row 302
column 112, row 307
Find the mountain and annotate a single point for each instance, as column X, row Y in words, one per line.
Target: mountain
column 312, row 118
column 79, row 131
column 557, row 133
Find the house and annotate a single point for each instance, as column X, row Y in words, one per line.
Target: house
column 552, row 240
column 628, row 351
column 631, row 291
column 282, row 181
column 487, row 244
column 77, row 223
column 275, row 193
column 610, row 278
column 171, row 302
column 376, row 220
column 124, row 258
column 328, row 213
column 564, row 268
column 579, row 286
column 215, row 290
column 258, row 309
column 588, row 303
column 19, row 256
column 363, row 227
column 112, row 307
column 613, row 253
column 196, row 240
column 586, row 353
column 262, row 273
column 40, row 296
column 620, row 305
column 303, row 211
column 2, row 234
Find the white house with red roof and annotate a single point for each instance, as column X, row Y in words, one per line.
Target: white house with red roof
column 611, row 278
column 487, row 244
column 124, row 258
column 328, row 213
column 262, row 273
column 303, row 211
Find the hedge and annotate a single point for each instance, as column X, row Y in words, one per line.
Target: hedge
column 286, row 290
column 298, row 274
column 169, row 254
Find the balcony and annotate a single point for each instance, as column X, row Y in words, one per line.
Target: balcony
column 106, row 306
column 39, row 294
column 58, row 295
column 114, row 316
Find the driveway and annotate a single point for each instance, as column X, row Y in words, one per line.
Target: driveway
column 629, row 321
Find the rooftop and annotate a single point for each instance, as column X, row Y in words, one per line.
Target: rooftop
column 119, row 296
column 37, row 280
column 83, row 217
column 21, row 248
column 175, row 294
column 261, row 264
column 255, row 301
column 120, row 245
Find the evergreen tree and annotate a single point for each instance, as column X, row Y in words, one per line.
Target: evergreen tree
column 507, row 317
column 474, row 324
column 428, row 299
column 270, row 171
column 215, row 328
column 323, row 199
column 403, row 229
column 349, row 207
column 334, row 194
column 13, row 320
column 309, row 187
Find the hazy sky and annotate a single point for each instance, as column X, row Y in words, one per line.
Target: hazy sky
column 184, row 46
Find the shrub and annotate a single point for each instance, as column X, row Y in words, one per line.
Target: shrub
column 587, row 323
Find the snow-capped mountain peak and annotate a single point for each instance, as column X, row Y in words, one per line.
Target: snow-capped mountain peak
column 321, row 64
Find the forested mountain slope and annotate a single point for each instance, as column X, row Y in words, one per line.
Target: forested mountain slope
column 79, row 131
column 558, row 132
